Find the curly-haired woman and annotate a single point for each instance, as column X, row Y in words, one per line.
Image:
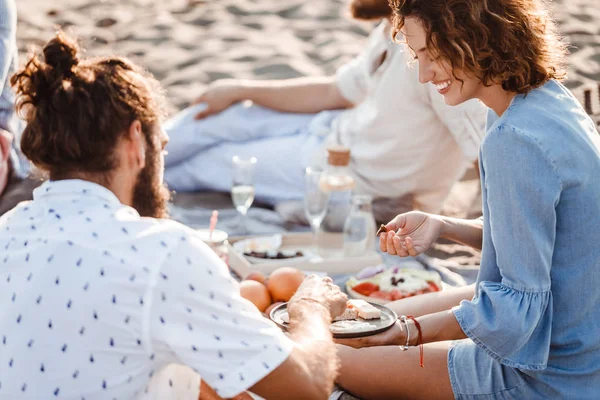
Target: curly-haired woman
column 529, row 327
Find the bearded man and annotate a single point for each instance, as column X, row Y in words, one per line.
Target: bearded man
column 97, row 291
column 407, row 146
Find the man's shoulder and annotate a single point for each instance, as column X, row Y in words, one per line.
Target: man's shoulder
column 147, row 227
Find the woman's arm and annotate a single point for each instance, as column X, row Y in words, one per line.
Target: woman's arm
column 433, row 312
column 430, row 303
column 465, row 231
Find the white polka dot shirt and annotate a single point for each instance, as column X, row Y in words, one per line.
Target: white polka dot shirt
column 95, row 299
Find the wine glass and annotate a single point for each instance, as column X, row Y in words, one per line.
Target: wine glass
column 315, row 199
column 242, row 189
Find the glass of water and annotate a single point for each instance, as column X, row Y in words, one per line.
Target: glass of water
column 242, row 189
column 315, row 199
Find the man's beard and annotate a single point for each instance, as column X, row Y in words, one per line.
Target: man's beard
column 150, row 197
column 370, row 9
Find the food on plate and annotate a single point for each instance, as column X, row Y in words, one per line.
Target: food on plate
column 257, row 293
column 343, row 326
column 348, row 314
column 351, row 326
column 264, row 248
column 355, row 310
column 274, row 255
column 393, row 284
column 256, row 276
column 382, row 229
column 365, row 310
column 283, row 283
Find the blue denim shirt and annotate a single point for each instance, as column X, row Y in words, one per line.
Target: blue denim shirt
column 8, row 64
column 537, row 302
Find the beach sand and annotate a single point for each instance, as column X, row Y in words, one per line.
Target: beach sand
column 187, row 44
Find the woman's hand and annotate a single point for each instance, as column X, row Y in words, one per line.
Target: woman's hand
column 219, row 96
column 395, row 336
column 411, row 234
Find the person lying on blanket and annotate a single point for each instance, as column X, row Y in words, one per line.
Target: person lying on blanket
column 407, row 146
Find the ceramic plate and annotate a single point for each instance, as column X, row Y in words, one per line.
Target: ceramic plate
column 360, row 328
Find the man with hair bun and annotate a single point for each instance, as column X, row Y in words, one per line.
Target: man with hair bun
column 98, row 292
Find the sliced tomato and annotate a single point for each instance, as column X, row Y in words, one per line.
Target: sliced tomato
column 433, row 287
column 382, row 295
column 397, row 295
column 366, row 288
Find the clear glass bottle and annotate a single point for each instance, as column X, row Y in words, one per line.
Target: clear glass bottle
column 338, row 183
column 359, row 228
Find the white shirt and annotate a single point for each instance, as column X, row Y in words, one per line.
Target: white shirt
column 94, row 300
column 403, row 137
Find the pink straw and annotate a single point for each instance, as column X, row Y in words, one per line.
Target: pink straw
column 213, row 223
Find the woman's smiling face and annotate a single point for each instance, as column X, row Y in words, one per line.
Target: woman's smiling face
column 438, row 71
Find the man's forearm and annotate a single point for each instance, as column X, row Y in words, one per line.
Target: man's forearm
column 301, row 95
column 464, row 231
column 309, row 328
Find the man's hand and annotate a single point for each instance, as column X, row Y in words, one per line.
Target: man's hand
column 395, row 336
column 323, row 291
column 6, row 139
column 411, row 234
column 218, row 96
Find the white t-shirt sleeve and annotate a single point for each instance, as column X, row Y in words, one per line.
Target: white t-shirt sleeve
column 353, row 77
column 466, row 122
column 199, row 319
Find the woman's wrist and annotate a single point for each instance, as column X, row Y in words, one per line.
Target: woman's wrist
column 446, row 226
column 414, row 333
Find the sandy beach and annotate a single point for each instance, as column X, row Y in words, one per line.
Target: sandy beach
column 187, row 44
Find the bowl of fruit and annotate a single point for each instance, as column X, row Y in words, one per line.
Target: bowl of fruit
column 381, row 285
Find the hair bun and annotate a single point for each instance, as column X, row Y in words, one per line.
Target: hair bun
column 61, row 53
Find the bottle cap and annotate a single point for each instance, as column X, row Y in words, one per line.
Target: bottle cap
column 338, row 156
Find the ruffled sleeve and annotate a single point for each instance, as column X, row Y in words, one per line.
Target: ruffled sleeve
column 511, row 314
column 505, row 322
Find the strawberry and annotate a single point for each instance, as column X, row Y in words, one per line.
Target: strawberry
column 366, row 288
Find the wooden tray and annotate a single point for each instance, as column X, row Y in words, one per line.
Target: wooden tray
column 334, row 265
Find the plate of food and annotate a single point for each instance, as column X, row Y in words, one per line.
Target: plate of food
column 264, row 249
column 361, row 318
column 381, row 285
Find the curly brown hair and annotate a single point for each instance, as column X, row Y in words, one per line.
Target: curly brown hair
column 77, row 110
column 511, row 42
